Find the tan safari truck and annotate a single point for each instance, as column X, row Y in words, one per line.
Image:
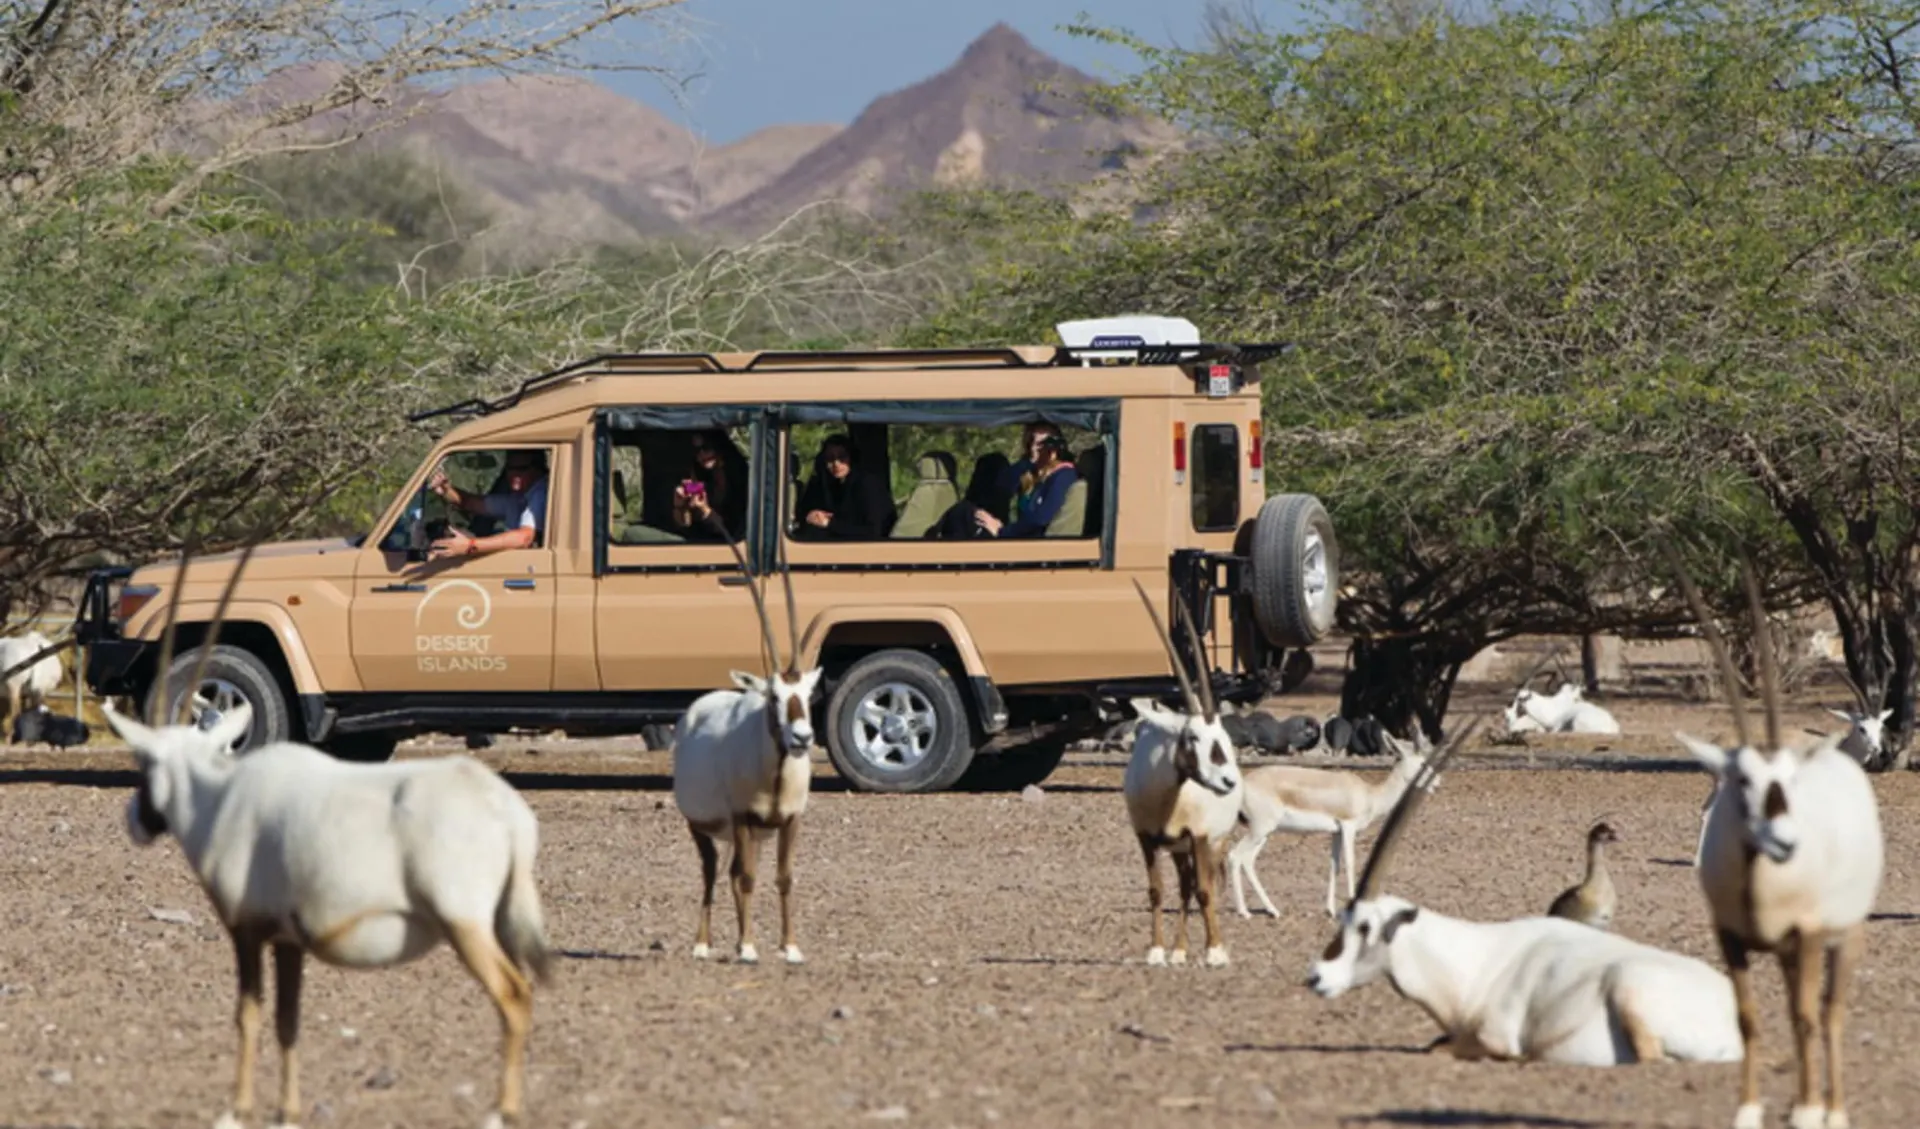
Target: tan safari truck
column 951, row 657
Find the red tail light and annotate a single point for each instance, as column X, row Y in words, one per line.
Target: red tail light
column 1179, row 452
column 1256, row 450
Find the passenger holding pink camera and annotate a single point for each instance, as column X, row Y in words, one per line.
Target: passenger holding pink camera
column 718, row 485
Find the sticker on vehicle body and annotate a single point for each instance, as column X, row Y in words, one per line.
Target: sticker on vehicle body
column 466, row 651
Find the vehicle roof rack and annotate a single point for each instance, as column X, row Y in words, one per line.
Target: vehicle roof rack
column 800, row 360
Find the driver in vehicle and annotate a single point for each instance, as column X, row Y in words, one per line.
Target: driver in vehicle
column 522, row 506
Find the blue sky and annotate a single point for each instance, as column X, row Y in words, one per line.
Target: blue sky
column 769, row 61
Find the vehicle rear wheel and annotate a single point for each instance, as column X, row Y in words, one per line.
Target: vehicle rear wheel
column 233, row 675
column 1296, row 567
column 896, row 723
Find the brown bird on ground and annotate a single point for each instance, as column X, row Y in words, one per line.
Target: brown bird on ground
column 1592, row 900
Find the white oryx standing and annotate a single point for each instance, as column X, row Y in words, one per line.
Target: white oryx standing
column 1790, row 863
column 360, row 865
column 1182, row 788
column 1536, row 989
column 742, row 771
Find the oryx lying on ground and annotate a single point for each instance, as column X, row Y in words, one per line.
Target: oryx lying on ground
column 1563, row 711
column 1182, row 789
column 742, row 770
column 1540, row 989
column 1790, row 862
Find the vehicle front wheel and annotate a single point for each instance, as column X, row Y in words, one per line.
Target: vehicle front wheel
column 233, row 675
column 896, row 723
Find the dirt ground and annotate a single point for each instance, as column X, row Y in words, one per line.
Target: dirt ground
column 973, row 960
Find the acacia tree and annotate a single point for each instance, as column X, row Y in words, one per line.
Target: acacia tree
column 89, row 85
column 1542, row 271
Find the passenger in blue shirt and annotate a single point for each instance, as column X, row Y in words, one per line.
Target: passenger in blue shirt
column 1039, row 483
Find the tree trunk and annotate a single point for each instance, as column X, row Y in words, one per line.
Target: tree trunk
column 1589, row 665
column 1401, row 682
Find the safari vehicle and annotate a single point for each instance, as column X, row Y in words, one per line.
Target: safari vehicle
column 948, row 660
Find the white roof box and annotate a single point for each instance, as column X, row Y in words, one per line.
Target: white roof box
column 1127, row 330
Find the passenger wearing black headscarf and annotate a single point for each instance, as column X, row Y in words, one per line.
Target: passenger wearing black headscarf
column 843, row 502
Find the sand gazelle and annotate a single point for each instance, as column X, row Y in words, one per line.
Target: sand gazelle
column 742, row 771
column 1182, row 789
column 1284, row 797
column 1790, row 863
column 360, row 865
column 1541, row 989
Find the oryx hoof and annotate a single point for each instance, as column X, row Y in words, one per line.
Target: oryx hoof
column 494, row 1120
column 792, row 953
column 1216, row 956
column 1157, row 957
column 701, row 952
column 1749, row 1116
column 1244, row 912
column 1807, row 1117
column 228, row 1120
column 748, row 955
column 1177, row 956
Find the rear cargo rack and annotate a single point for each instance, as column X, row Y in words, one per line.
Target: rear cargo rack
column 788, row 360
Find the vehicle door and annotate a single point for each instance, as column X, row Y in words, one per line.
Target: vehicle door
column 463, row 624
column 672, row 609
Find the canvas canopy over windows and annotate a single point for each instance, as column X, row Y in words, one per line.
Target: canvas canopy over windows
column 921, row 472
column 481, row 477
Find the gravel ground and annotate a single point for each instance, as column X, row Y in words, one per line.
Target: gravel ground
column 973, row 960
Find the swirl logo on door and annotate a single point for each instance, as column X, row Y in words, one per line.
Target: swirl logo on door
column 465, row 651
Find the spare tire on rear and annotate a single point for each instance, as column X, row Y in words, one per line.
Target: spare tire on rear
column 1296, row 570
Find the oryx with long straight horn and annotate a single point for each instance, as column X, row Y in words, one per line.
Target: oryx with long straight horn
column 1182, row 789
column 1539, row 989
column 1790, row 862
column 309, row 855
column 742, row 771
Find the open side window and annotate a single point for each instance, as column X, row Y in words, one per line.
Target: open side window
column 486, row 500
column 901, row 485
column 672, row 485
